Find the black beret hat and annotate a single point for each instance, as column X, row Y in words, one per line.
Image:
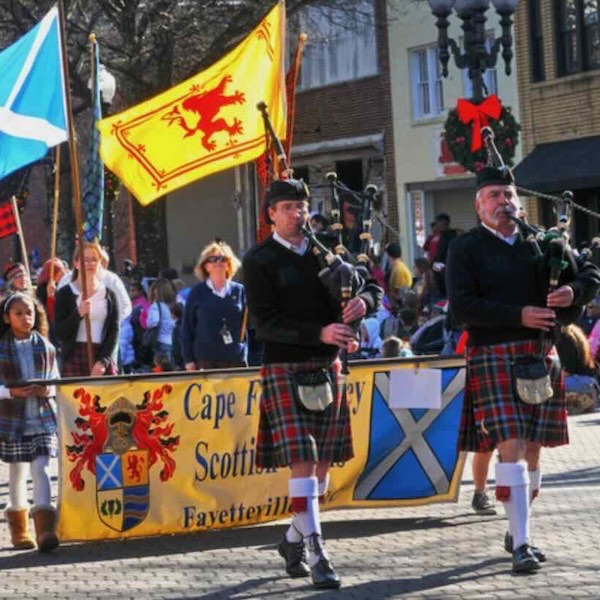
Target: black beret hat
column 286, row 189
column 493, row 176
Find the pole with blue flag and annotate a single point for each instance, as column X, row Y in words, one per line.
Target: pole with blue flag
column 75, row 176
column 93, row 180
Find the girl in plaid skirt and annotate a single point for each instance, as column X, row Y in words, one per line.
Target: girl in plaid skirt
column 27, row 418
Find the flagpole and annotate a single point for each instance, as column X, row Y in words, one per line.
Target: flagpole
column 15, row 209
column 55, row 212
column 75, row 175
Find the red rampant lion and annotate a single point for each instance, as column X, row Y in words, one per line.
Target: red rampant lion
column 207, row 105
column 150, row 432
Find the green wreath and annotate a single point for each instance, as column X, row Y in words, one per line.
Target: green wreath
column 458, row 137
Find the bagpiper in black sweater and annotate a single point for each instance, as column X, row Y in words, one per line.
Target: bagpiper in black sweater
column 289, row 305
column 490, row 281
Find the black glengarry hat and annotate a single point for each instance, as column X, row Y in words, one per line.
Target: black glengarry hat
column 494, row 176
column 286, row 189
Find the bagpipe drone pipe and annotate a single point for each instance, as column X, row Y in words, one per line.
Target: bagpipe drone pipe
column 342, row 276
column 555, row 260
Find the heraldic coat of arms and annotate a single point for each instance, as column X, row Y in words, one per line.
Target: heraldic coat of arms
column 119, row 444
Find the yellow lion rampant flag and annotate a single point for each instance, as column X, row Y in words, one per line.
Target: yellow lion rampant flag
column 205, row 124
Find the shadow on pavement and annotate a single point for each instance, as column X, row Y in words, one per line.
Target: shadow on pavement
column 267, row 536
column 587, row 476
column 385, row 588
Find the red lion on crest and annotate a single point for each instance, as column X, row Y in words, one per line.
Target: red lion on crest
column 149, row 431
column 207, row 105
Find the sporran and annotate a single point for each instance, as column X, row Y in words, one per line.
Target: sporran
column 532, row 381
column 314, row 389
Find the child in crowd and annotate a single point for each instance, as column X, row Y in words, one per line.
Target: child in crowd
column 176, row 349
column 28, row 431
column 127, row 362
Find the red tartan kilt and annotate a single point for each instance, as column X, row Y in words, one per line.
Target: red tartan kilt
column 288, row 433
column 77, row 364
column 492, row 411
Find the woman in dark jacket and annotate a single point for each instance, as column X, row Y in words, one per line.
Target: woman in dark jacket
column 100, row 305
column 213, row 328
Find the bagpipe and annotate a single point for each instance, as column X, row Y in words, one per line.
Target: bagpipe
column 341, row 275
column 550, row 247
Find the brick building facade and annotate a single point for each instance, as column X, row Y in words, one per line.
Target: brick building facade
column 346, row 127
column 558, row 67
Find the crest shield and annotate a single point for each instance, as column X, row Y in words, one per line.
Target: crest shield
column 122, row 488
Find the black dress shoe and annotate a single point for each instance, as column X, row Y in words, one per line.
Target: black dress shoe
column 294, row 555
column 508, row 546
column 524, row 561
column 322, row 573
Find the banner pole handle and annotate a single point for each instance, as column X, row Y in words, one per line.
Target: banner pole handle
column 15, row 209
column 75, row 176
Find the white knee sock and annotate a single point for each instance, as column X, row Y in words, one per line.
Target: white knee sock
column 515, row 477
column 306, row 522
column 41, row 481
column 17, row 486
column 323, row 485
column 535, row 483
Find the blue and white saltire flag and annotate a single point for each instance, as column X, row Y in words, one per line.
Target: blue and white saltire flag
column 93, row 180
column 33, row 114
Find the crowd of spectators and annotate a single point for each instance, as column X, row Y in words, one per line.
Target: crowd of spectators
column 153, row 324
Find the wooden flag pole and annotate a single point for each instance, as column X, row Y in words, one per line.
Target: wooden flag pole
column 55, row 212
column 75, row 175
column 15, row 209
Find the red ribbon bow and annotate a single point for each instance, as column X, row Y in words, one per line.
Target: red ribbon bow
column 490, row 108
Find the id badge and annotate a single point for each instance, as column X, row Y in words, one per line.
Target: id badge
column 226, row 335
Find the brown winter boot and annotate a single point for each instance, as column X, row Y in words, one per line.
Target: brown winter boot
column 44, row 519
column 19, row 531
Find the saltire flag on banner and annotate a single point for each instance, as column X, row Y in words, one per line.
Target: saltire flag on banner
column 205, row 124
column 8, row 223
column 93, row 180
column 33, row 114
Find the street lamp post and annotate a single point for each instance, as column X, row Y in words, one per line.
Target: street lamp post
column 475, row 58
column 108, row 88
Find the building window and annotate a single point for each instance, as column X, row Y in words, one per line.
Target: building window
column 490, row 78
column 536, row 41
column 340, row 47
column 426, row 83
column 577, row 35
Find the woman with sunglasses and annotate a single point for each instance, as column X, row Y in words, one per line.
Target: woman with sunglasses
column 214, row 321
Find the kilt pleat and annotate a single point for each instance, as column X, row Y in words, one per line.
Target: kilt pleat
column 29, row 447
column 492, row 411
column 288, row 433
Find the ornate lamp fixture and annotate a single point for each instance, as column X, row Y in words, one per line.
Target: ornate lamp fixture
column 475, row 58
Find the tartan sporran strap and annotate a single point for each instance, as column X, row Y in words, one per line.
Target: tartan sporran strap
column 314, row 389
column 532, row 380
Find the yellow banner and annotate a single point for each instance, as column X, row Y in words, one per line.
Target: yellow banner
column 156, row 456
column 205, row 124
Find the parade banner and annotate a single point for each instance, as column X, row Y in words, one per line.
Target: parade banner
column 155, row 455
column 205, row 124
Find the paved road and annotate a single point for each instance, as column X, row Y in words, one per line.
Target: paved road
column 436, row 551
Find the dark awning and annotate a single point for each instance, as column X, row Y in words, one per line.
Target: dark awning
column 559, row 166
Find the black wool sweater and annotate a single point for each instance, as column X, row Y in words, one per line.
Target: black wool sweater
column 490, row 281
column 289, row 305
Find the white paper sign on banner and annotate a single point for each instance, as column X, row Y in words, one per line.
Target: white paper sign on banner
column 415, row 388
